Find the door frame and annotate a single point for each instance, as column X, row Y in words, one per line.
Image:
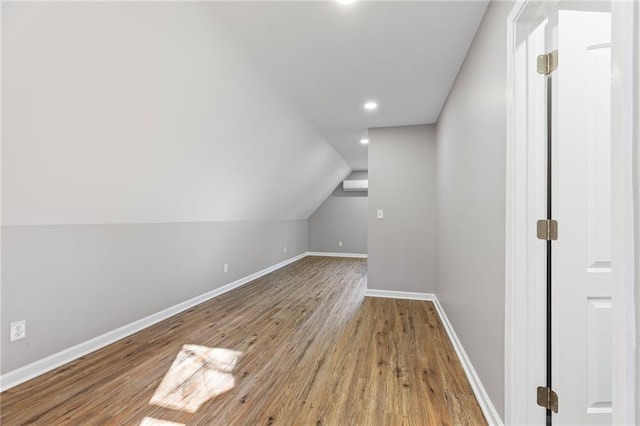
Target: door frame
column 525, row 303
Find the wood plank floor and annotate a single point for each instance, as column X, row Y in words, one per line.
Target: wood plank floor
column 315, row 351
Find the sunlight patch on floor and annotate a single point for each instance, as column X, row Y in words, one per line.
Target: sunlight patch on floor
column 197, row 374
column 150, row 421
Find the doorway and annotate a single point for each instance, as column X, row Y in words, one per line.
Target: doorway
column 570, row 108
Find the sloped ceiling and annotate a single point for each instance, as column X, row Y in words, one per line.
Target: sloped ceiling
column 144, row 112
column 136, row 112
column 328, row 58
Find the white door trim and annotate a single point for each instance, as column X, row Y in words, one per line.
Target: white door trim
column 524, row 348
column 625, row 143
column 523, row 354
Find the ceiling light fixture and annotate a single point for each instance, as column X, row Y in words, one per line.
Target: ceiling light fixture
column 370, row 106
column 346, row 1
column 364, row 141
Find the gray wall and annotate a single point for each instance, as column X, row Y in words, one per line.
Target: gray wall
column 402, row 182
column 471, row 202
column 127, row 133
column 75, row 282
column 342, row 217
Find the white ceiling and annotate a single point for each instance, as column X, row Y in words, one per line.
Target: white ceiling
column 329, row 58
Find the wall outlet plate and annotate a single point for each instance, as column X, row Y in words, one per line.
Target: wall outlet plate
column 339, row 243
column 17, row 330
column 285, row 249
column 225, row 268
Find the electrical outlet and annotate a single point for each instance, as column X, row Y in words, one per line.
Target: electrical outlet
column 339, row 243
column 285, row 249
column 225, row 268
column 380, row 214
column 18, row 330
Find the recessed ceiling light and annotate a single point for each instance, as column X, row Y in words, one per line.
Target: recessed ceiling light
column 370, row 106
column 346, row 1
column 364, row 141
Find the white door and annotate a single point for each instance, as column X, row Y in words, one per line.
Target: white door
column 581, row 257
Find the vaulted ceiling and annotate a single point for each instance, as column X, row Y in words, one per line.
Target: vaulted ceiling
column 329, row 58
column 136, row 112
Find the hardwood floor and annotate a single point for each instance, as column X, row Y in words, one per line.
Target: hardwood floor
column 315, row 351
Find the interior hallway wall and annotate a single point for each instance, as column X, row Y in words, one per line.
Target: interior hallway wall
column 402, row 183
column 471, row 202
column 141, row 150
column 342, row 217
column 75, row 282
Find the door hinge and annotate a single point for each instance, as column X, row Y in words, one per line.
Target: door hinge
column 547, row 398
column 548, row 63
column 547, row 229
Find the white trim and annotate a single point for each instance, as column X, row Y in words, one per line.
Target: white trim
column 327, row 254
column 490, row 413
column 513, row 374
column 399, row 294
column 487, row 407
column 522, row 305
column 524, row 283
column 625, row 288
column 21, row 375
column 30, row 371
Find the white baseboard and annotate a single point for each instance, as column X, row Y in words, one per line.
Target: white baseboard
column 21, row 375
column 327, row 254
column 399, row 294
column 489, row 411
column 28, row 372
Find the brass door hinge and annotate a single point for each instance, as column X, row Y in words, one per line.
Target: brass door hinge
column 547, row 398
column 547, row 63
column 547, row 230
